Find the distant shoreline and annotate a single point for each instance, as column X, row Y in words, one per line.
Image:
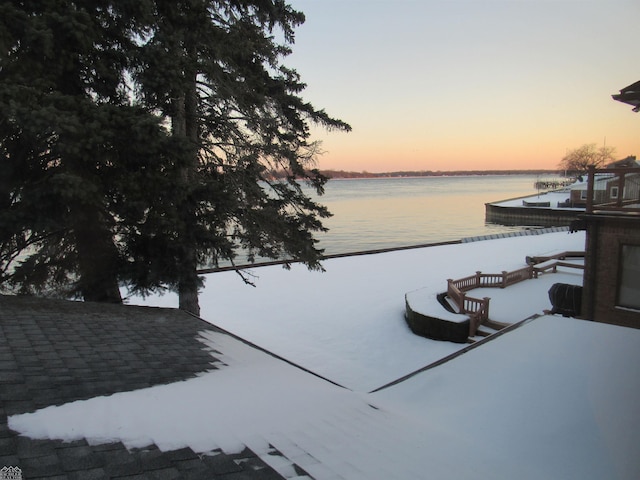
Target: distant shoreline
column 341, row 174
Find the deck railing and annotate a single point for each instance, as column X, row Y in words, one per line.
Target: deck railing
column 499, row 280
column 553, row 267
column 627, row 183
column 478, row 308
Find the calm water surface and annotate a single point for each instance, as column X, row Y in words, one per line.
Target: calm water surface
column 393, row 212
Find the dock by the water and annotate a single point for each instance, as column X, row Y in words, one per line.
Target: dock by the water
column 552, row 184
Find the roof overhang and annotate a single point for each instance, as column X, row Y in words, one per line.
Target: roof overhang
column 630, row 95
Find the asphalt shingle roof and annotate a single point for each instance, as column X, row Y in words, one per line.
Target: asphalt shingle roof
column 55, row 351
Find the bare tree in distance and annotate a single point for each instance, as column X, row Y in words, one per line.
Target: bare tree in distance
column 578, row 161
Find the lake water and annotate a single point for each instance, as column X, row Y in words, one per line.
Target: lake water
column 393, row 212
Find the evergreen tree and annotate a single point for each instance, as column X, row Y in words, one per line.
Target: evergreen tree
column 214, row 69
column 136, row 140
column 64, row 113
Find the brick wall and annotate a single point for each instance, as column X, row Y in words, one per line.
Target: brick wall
column 605, row 236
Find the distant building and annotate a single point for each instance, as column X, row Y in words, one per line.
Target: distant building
column 578, row 191
column 605, row 186
column 627, row 162
column 611, row 292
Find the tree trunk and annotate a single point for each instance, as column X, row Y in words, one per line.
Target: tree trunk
column 185, row 123
column 188, row 290
column 97, row 257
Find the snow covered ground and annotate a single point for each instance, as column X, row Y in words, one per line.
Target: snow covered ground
column 555, row 398
column 347, row 324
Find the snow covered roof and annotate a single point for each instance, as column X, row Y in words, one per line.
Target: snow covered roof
column 55, row 352
column 554, row 398
column 535, row 403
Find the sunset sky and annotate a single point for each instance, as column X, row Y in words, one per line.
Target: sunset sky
column 468, row 84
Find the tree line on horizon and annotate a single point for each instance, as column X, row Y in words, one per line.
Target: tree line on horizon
column 418, row 173
column 135, row 140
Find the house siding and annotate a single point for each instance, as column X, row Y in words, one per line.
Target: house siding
column 605, row 236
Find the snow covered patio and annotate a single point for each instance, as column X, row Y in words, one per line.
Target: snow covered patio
column 347, row 324
column 554, row 398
